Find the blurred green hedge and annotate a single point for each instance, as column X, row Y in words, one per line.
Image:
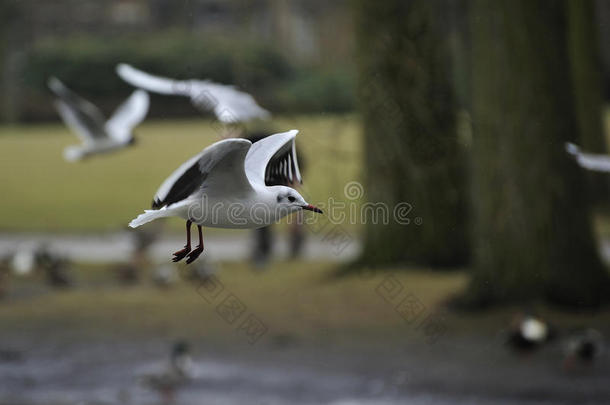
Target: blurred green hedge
column 87, row 64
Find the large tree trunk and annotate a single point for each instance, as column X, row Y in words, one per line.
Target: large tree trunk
column 411, row 150
column 532, row 233
column 585, row 62
column 12, row 44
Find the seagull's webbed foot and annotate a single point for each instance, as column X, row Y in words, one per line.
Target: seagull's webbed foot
column 181, row 254
column 194, row 254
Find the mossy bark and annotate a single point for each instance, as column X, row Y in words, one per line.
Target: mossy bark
column 11, row 29
column 411, row 151
column 533, row 235
column 585, row 63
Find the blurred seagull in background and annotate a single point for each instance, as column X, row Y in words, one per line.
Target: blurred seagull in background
column 589, row 161
column 582, row 349
column 87, row 121
column 230, row 105
column 23, row 262
column 528, row 333
column 224, row 186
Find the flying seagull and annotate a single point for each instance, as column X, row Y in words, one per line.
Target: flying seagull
column 224, row 186
column 228, row 104
column 589, row 161
column 97, row 134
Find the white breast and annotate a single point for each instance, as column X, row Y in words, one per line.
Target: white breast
column 254, row 210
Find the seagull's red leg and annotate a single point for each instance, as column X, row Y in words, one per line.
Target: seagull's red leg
column 195, row 253
column 179, row 255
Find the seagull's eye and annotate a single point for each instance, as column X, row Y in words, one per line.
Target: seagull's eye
column 291, row 198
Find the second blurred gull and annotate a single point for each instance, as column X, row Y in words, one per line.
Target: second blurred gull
column 228, row 104
column 98, row 135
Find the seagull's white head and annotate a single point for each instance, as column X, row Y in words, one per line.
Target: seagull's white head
column 290, row 200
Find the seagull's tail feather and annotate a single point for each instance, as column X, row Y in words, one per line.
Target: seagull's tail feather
column 150, row 215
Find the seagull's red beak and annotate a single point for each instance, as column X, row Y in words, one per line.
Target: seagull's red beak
column 310, row 207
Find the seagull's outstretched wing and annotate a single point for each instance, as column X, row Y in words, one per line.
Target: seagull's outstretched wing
column 228, row 104
column 274, row 157
column 84, row 118
column 127, row 116
column 155, row 84
column 220, row 167
column 589, row 161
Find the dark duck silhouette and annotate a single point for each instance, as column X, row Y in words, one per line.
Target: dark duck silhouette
column 177, row 373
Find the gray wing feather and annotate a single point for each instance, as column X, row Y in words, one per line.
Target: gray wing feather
column 84, row 118
column 220, row 165
column 272, row 159
column 127, row 116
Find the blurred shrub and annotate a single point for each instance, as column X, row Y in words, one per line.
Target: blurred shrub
column 87, row 64
column 319, row 90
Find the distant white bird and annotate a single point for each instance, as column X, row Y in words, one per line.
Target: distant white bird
column 24, row 261
column 528, row 332
column 224, row 187
column 589, row 161
column 228, row 104
column 534, row 329
column 88, row 122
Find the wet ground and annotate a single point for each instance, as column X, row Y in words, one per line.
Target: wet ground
column 57, row 360
column 468, row 371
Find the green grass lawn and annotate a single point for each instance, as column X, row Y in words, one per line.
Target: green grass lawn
column 42, row 192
